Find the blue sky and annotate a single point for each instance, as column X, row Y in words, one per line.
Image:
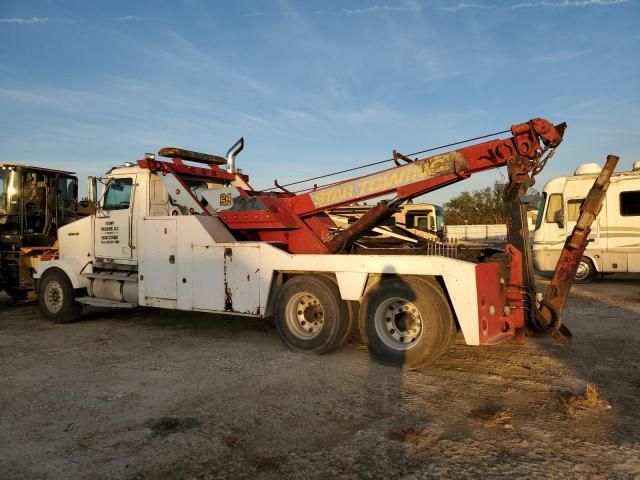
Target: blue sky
column 313, row 86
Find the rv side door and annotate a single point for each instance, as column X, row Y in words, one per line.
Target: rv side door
column 597, row 243
column 622, row 228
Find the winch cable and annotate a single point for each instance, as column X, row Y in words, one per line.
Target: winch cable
column 380, row 162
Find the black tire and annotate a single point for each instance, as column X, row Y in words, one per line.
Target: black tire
column 354, row 315
column 586, row 271
column 350, row 326
column 310, row 316
column 450, row 328
column 419, row 332
column 57, row 298
column 20, row 295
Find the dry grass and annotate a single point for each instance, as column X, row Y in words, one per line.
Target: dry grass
column 232, row 441
column 267, row 462
column 494, row 416
column 499, row 418
column 420, row 438
column 591, row 399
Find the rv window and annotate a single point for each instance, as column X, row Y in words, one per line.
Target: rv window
column 573, row 209
column 630, row 203
column 554, row 210
column 410, row 220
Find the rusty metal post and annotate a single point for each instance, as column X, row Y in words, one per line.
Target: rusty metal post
column 369, row 220
column 548, row 317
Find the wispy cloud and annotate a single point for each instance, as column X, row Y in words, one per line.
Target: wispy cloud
column 25, row 20
column 559, row 56
column 367, row 10
column 130, row 18
column 536, row 4
column 568, row 3
column 464, row 6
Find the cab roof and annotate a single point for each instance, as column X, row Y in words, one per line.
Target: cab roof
column 5, row 166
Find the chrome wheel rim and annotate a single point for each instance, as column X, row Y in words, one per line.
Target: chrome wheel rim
column 304, row 315
column 53, row 296
column 583, row 271
column 398, row 323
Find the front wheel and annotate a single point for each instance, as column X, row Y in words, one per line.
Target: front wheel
column 586, row 271
column 406, row 322
column 310, row 316
column 57, row 299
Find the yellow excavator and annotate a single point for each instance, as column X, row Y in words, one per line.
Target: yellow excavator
column 34, row 203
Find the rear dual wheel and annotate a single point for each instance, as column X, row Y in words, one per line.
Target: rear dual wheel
column 310, row 315
column 406, row 322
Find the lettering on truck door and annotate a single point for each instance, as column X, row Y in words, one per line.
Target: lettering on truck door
column 113, row 220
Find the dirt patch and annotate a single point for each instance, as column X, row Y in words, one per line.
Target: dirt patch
column 168, row 425
column 267, row 462
column 418, row 437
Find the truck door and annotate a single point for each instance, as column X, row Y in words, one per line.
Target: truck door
column 114, row 239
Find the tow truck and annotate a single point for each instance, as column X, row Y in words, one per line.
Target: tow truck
column 190, row 233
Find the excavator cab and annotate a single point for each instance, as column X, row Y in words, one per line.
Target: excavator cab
column 34, row 203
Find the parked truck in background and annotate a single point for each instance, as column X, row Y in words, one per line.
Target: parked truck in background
column 614, row 244
column 424, row 220
column 192, row 234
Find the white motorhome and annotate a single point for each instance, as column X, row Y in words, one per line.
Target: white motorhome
column 614, row 243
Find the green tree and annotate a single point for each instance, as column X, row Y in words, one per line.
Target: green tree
column 482, row 206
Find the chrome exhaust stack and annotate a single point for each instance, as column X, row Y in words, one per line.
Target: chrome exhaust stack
column 231, row 155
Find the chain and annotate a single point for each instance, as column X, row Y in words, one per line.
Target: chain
column 539, row 164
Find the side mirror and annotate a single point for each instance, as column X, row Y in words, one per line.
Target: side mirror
column 559, row 218
column 92, row 189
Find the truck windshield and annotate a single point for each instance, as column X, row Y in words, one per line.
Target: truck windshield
column 9, row 201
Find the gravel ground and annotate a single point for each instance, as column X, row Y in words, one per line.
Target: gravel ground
column 164, row 395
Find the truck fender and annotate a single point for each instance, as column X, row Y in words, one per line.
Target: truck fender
column 463, row 296
column 351, row 284
column 72, row 273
